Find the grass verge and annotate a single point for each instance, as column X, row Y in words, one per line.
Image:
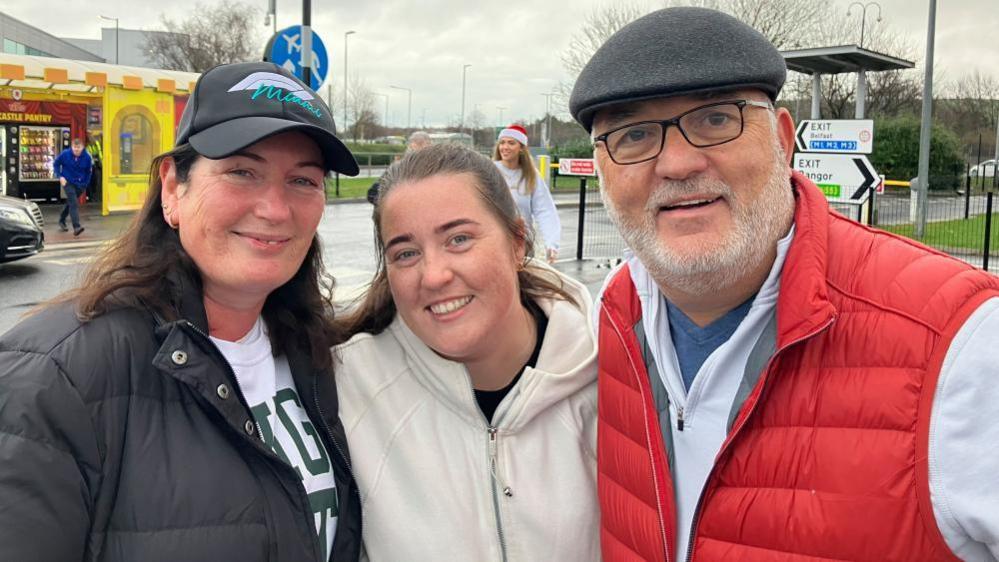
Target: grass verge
column 960, row 233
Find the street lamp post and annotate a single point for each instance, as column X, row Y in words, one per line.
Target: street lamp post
column 271, row 16
column 409, row 106
column 548, row 119
column 115, row 35
column 863, row 16
column 464, row 70
column 861, row 96
column 385, row 115
column 346, row 92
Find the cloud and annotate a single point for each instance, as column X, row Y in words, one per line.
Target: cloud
column 514, row 46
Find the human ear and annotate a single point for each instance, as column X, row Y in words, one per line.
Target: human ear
column 785, row 132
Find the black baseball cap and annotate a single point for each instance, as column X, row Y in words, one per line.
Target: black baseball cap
column 236, row 105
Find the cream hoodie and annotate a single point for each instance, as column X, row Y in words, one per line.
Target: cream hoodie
column 437, row 483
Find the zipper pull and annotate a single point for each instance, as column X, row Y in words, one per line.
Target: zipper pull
column 679, row 418
column 507, row 491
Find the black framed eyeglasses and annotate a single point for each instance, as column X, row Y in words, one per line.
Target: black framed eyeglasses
column 707, row 125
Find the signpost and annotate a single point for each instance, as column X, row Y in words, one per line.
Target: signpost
column 285, row 49
column 577, row 167
column 843, row 136
column 845, row 178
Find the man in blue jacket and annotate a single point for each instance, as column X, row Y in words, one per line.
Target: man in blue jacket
column 73, row 166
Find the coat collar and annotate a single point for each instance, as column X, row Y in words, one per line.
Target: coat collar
column 567, row 364
column 803, row 304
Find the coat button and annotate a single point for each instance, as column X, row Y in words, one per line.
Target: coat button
column 249, row 427
column 222, row 391
column 178, row 357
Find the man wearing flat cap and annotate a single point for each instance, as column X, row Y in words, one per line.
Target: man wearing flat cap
column 777, row 382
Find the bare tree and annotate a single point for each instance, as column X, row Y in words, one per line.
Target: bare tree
column 360, row 103
column 972, row 110
column 788, row 24
column 980, row 94
column 218, row 34
column 599, row 25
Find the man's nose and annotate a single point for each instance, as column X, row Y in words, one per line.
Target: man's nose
column 679, row 159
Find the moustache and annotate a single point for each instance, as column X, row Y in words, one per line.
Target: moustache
column 669, row 192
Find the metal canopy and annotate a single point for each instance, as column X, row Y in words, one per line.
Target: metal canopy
column 837, row 60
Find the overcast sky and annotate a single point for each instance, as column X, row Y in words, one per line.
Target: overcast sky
column 514, row 46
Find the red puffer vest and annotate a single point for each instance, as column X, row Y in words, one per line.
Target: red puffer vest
column 826, row 459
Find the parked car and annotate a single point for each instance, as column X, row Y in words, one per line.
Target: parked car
column 21, row 233
column 986, row 169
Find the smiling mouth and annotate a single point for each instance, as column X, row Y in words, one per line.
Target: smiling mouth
column 449, row 306
column 691, row 204
column 267, row 241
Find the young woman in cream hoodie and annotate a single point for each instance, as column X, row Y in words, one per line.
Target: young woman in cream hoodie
column 468, row 389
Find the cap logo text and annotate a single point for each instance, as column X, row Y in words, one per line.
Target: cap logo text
column 257, row 80
column 276, row 87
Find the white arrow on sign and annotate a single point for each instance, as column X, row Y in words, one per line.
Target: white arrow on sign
column 842, row 177
column 844, row 136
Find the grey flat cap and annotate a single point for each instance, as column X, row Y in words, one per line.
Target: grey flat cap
column 672, row 52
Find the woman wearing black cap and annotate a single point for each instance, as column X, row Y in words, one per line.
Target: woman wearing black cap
column 178, row 405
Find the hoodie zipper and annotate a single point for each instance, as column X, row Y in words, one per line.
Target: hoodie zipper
column 700, row 499
column 496, row 480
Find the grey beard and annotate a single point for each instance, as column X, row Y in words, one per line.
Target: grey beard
column 757, row 228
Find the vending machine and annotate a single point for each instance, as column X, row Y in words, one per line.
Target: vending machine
column 3, row 161
column 38, row 148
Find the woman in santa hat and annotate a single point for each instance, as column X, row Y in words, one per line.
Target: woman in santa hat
column 529, row 190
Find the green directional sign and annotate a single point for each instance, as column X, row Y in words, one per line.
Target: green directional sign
column 831, row 189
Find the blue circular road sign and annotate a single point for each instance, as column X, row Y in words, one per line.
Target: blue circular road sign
column 285, row 49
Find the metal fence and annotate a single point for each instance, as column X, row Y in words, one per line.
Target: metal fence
column 962, row 224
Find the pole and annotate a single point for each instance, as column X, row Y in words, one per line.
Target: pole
column 500, row 115
column 861, row 102
column 116, row 40
column 409, row 110
column 816, row 96
column 967, row 191
column 927, row 125
column 464, row 69
column 871, row 194
column 582, row 217
column 307, row 43
column 548, row 120
column 997, row 138
column 988, row 230
column 346, row 91
column 385, row 114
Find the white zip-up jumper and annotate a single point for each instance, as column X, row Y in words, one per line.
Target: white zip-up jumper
column 437, row 482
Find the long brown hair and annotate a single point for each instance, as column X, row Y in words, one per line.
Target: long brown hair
column 134, row 271
column 377, row 309
column 526, row 164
